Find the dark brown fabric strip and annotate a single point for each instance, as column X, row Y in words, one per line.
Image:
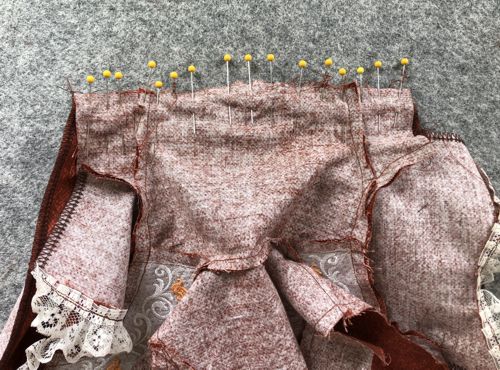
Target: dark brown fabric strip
column 400, row 352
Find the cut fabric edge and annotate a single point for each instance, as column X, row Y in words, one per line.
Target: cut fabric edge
column 73, row 323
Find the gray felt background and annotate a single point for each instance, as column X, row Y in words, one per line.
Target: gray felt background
column 454, row 48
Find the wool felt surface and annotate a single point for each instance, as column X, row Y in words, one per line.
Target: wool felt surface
column 453, row 73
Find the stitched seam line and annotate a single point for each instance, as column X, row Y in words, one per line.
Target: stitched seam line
column 114, row 314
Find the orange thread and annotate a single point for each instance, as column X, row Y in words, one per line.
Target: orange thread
column 316, row 269
column 178, row 289
column 114, row 365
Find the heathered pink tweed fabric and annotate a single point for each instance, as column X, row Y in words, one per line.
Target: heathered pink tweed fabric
column 321, row 303
column 92, row 253
column 427, row 255
column 335, row 352
column 247, row 206
column 228, row 321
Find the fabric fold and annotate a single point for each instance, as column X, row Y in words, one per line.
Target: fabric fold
column 327, row 308
column 319, row 301
column 227, row 320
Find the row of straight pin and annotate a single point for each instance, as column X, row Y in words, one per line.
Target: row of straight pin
column 270, row 58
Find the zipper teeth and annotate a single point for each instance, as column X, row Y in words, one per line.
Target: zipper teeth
column 441, row 135
column 64, row 219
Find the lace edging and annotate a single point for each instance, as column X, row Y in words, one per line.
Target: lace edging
column 73, row 323
column 489, row 304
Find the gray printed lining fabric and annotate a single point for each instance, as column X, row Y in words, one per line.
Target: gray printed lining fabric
column 290, row 242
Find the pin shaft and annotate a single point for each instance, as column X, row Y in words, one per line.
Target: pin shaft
column 227, row 78
column 401, row 82
column 107, row 94
column 228, row 90
column 378, row 90
column 250, row 87
column 192, row 98
column 249, row 76
column 300, row 79
column 150, row 73
column 361, row 86
column 378, row 81
column 192, row 86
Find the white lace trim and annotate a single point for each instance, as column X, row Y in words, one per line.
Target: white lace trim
column 489, row 304
column 73, row 323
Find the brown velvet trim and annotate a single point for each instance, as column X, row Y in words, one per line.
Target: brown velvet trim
column 400, row 352
column 57, row 193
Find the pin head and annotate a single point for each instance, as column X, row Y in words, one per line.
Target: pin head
column 342, row 71
column 405, row 61
column 106, row 73
column 118, row 75
column 227, row 57
column 360, row 70
column 248, row 57
column 328, row 62
column 270, row 57
column 152, row 64
column 174, row 75
column 158, row 84
column 90, row 79
column 302, row 64
column 191, row 69
column 378, row 64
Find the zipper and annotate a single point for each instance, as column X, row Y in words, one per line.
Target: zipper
column 441, row 135
column 64, row 219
